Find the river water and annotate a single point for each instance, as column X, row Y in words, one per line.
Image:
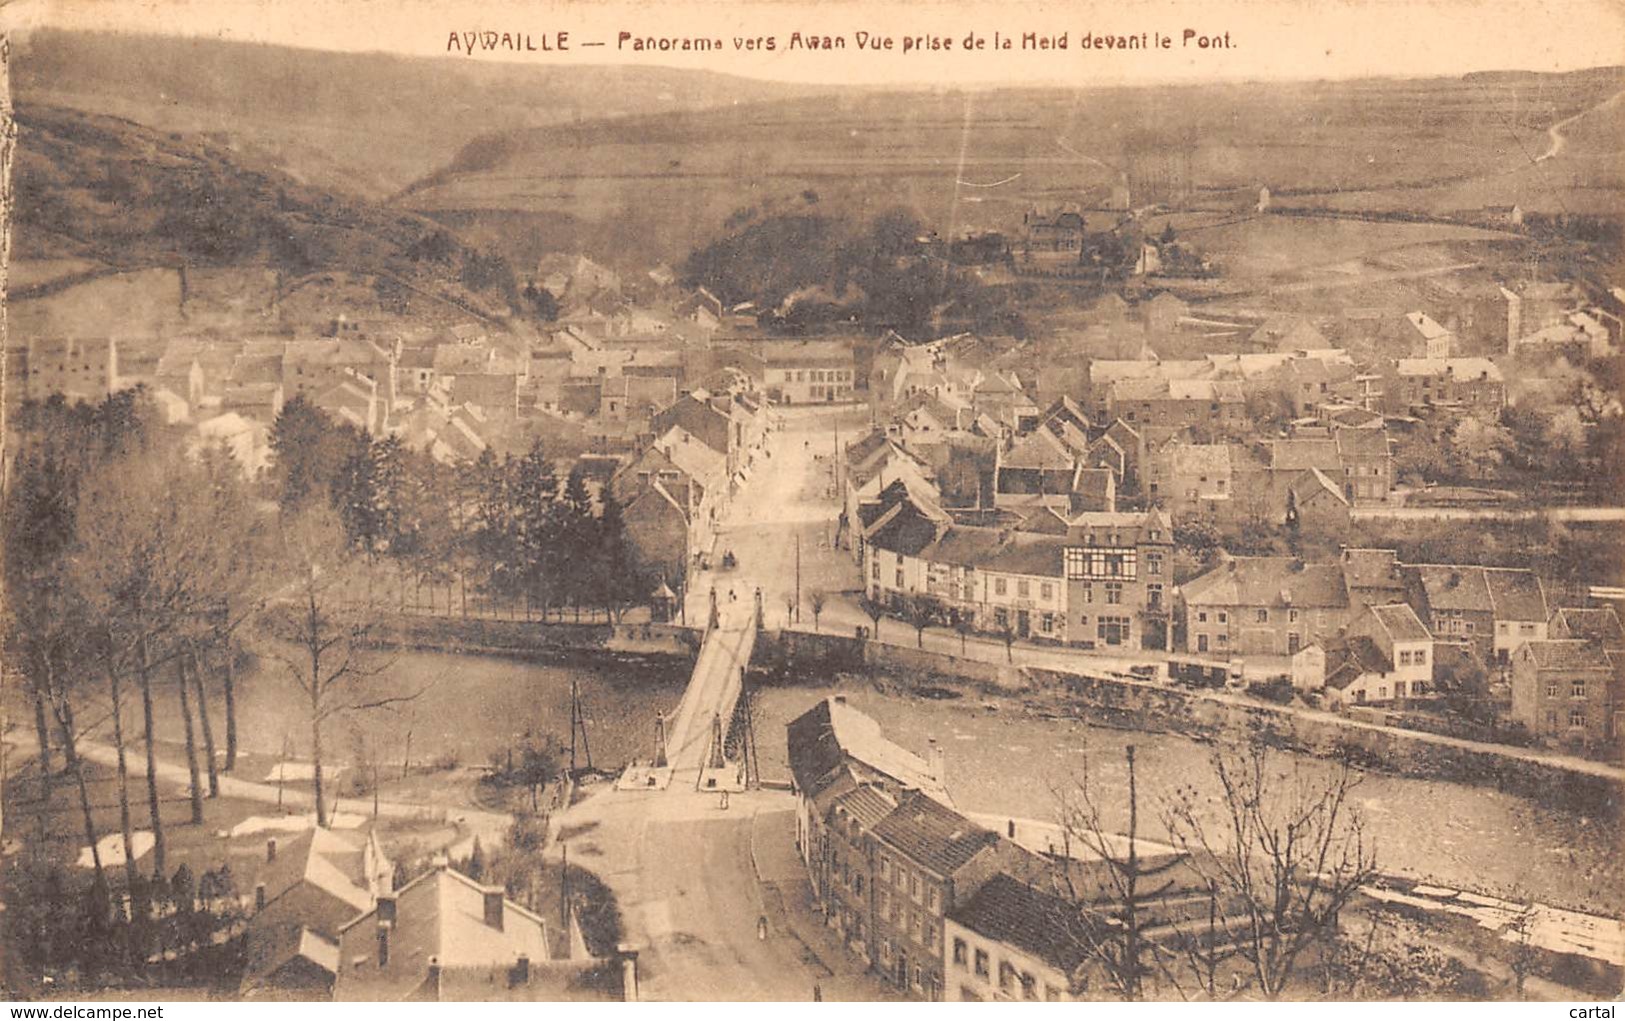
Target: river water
column 999, row 761
column 469, row 706
column 1005, row 761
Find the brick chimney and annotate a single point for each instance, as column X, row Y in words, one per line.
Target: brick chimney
column 493, row 907
column 259, row 897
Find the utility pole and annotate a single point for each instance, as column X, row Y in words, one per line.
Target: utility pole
column 798, row 579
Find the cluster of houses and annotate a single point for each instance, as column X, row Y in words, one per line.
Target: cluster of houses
column 590, row 381
column 947, row 906
column 1049, row 525
column 327, row 922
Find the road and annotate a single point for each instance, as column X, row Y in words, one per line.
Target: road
column 1595, row 514
column 693, row 882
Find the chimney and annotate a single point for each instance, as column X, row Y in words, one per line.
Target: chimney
column 521, row 970
column 259, row 897
column 839, row 699
column 493, row 907
column 386, row 908
column 1010, row 829
column 270, row 849
column 383, row 943
column 939, row 762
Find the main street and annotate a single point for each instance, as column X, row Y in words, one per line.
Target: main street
column 714, row 897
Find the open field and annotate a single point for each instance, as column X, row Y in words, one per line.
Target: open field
column 981, row 159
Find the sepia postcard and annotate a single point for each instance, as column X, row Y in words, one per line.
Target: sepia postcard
column 775, row 501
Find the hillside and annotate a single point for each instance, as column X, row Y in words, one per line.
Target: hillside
column 363, row 123
column 958, row 160
column 105, row 192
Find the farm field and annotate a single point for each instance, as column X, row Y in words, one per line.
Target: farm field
column 964, row 160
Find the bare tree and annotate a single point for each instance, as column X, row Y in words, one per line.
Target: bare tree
column 1288, row 849
column 920, row 614
column 322, row 635
column 1111, row 899
column 816, row 601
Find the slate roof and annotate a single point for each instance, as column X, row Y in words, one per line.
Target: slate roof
column 867, row 804
column 1597, row 624
column 1362, row 442
column 1043, row 924
column 822, row 740
column 1039, row 450
column 439, row 915
column 1027, row 553
column 1450, row 587
column 1347, row 660
column 1207, row 459
column 1269, row 581
column 1568, row 654
column 1516, row 594
column 1301, row 455
column 931, row 835
column 1402, row 622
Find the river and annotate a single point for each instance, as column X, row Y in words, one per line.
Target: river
column 469, row 707
column 1006, row 761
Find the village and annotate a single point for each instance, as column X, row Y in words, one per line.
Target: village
column 892, row 582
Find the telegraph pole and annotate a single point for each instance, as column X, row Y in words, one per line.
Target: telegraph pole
column 798, row 578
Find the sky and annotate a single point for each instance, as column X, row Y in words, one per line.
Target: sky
column 1268, row 39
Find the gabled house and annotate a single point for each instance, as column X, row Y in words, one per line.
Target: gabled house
column 1271, row 606
column 443, row 936
column 311, row 886
column 1386, row 655
column 1569, row 691
column 1493, row 609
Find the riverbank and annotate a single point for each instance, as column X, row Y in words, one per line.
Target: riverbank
column 1579, row 785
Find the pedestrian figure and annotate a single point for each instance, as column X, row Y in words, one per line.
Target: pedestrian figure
column 818, row 993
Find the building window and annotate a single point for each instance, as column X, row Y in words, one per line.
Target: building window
column 1023, row 588
column 960, row 951
column 1404, row 658
column 930, row 933
column 1526, row 629
column 1201, row 616
column 914, row 887
column 999, row 586
column 1578, row 690
column 1292, row 616
column 1263, row 616
column 931, row 898
column 1007, row 976
column 1088, row 592
column 1153, row 561
column 875, row 564
column 1224, row 618
column 1046, row 623
column 1073, row 558
column 1551, row 720
column 1294, row 642
column 1153, row 596
column 899, row 576
column 1114, row 592
column 1551, row 689
column 1046, row 591
column 1577, row 717
column 1421, row 657
column 1029, row 987
column 981, row 963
